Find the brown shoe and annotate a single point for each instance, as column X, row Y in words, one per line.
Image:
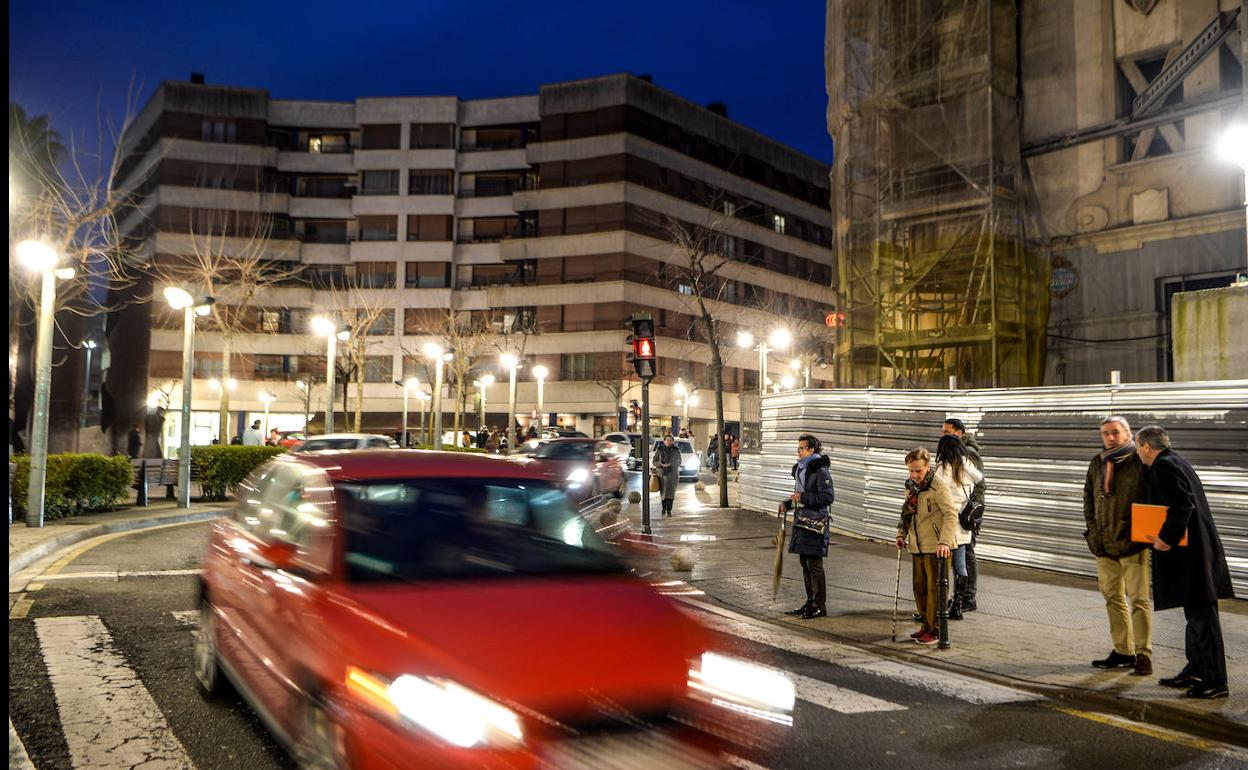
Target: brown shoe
column 1143, row 665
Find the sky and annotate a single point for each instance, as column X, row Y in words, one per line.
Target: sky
column 85, row 63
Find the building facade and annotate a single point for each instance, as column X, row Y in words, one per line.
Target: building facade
column 541, row 221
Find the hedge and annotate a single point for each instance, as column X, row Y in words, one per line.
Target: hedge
column 449, row 448
column 75, row 483
column 220, row 468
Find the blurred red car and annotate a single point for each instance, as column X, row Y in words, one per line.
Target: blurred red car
column 289, row 438
column 400, row 609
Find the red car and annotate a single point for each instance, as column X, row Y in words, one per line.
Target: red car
column 585, row 467
column 401, row 609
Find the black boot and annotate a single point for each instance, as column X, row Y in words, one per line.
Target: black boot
column 955, row 604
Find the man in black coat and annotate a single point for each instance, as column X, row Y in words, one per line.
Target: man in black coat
column 1194, row 576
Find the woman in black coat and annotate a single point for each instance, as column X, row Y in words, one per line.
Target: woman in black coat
column 811, row 498
column 1193, row 576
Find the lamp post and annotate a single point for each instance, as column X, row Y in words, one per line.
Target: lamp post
column 510, row 362
column 39, row 257
column 434, row 351
column 306, row 386
column 540, row 373
column 1233, row 147
column 89, row 346
column 420, row 428
column 266, row 398
column 181, row 299
column 779, row 340
column 410, row 384
column 327, row 328
column 483, row 383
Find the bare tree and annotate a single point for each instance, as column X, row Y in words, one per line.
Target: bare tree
column 231, row 255
column 616, row 380
column 370, row 316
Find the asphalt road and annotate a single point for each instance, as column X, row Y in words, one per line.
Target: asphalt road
column 853, row 711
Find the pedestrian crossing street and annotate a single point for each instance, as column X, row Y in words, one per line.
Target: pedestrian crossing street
column 110, row 720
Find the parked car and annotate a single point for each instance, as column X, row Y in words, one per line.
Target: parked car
column 622, row 444
column 346, row 441
column 550, row 433
column 403, row 609
column 290, row 438
column 587, row 467
column 690, row 459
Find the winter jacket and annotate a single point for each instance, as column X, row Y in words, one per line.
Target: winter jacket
column 1197, row 573
column 1108, row 519
column 817, row 497
column 971, row 445
column 930, row 526
column 666, row 464
column 949, row 497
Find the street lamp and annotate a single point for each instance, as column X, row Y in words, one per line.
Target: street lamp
column 435, row 353
column 89, row 346
column 41, row 258
column 1233, row 147
column 779, row 340
column 787, row 382
column 483, row 383
column 420, row 427
column 328, row 328
column 180, row 299
column 510, row 362
column 411, row 384
column 540, row 373
column 221, row 389
column 266, row 398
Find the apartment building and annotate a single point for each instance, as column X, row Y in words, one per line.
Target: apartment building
column 545, row 220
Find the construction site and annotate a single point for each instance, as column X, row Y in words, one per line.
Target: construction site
column 942, row 273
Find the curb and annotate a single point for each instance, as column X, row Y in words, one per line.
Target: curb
column 24, row 559
column 1203, row 725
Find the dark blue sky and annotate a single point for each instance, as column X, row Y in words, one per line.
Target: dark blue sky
column 76, row 61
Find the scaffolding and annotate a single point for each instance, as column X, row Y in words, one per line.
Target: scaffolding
column 937, row 274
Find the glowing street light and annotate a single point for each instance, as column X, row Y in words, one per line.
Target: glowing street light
column 787, row 382
column 267, row 398
column 328, row 328
column 540, row 372
column 780, row 339
column 482, row 384
column 510, row 362
column 434, row 352
column 1233, row 147
column 180, row 299
column 411, row 384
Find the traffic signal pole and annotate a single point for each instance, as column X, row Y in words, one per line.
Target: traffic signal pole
column 645, row 456
column 643, row 356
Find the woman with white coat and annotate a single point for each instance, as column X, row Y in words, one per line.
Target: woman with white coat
column 953, row 483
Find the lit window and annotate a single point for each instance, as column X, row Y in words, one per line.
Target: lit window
column 684, row 288
column 777, row 221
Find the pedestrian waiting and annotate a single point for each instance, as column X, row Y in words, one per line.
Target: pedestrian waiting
column 954, row 482
column 928, row 532
column 955, row 427
column 811, row 502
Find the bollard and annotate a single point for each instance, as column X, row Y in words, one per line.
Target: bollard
column 943, row 613
column 142, row 496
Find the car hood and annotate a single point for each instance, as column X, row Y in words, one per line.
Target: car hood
column 556, row 645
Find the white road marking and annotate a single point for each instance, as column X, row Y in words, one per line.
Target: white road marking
column 108, row 717
column 189, row 618
column 840, row 699
column 20, row 608
column 741, row 762
column 957, row 686
column 115, row 575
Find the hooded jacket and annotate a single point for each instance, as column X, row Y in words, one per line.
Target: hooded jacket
column 817, row 497
column 949, row 497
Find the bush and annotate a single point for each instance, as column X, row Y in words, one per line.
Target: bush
column 449, row 448
column 75, row 483
column 220, row 468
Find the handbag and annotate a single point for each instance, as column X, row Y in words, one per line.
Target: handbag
column 804, row 518
column 970, row 515
column 654, row 482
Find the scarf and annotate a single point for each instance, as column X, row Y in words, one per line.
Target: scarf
column 799, row 478
column 913, row 490
column 1110, row 457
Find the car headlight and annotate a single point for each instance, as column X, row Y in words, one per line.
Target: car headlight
column 691, row 462
column 447, row 710
column 743, row 687
column 578, row 476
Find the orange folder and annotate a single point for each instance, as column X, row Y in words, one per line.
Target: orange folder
column 1146, row 520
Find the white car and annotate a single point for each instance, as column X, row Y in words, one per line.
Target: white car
column 346, row 441
column 621, row 443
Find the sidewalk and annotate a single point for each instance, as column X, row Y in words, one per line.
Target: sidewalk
column 1033, row 628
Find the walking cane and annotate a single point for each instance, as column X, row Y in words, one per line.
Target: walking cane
column 943, row 613
column 897, row 594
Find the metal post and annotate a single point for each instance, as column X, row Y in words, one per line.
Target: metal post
column 43, row 384
column 942, row 614
column 481, row 406
column 437, row 403
column 541, row 405
column 86, row 386
column 511, row 413
column 645, row 456
column 307, row 405
column 404, row 383
column 267, row 400
column 184, row 448
column 762, row 369
column 331, row 351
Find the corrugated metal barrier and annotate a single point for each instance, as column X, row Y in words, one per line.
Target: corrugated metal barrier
column 1036, row 444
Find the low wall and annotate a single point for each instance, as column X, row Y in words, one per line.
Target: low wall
column 1035, row 443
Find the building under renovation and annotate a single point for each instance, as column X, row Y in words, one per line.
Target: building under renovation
column 1019, row 188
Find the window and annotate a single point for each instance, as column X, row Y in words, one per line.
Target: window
column 274, row 321
column 378, row 369
column 489, row 229
column 515, row 319
column 684, row 288
column 576, row 366
column 379, row 182
column 207, row 367
column 323, row 187
column 494, row 185
column 380, row 136
column 379, row 228
column 429, row 227
column 374, row 275
column 429, row 182
column 432, row 136
column 218, row 130
column 382, row 325
column 1135, row 75
column 778, row 223
column 326, row 276
column 325, row 231
column 329, row 143
column 428, row 275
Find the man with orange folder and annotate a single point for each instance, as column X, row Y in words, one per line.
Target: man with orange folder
column 1192, row 576
column 1115, row 481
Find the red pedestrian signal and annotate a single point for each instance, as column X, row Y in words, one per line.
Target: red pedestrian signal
column 641, row 342
column 643, row 348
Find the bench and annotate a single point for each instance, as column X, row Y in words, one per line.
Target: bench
column 154, row 471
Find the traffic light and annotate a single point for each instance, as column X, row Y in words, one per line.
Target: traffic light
column 642, row 353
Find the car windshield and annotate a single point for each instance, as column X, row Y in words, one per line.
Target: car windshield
column 573, row 450
column 330, row 443
column 441, row 529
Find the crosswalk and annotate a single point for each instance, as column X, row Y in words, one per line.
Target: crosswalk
column 110, row 720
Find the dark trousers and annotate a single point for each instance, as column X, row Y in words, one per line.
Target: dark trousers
column 972, row 567
column 926, row 585
column 816, row 585
column 1206, row 657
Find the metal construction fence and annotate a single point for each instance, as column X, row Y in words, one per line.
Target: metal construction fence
column 1036, row 444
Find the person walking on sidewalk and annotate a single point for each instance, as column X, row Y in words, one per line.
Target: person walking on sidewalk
column 810, row 502
column 927, row 532
column 1115, row 480
column 1194, row 576
column 955, row 427
column 666, row 465
column 954, row 483
column 252, row 436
